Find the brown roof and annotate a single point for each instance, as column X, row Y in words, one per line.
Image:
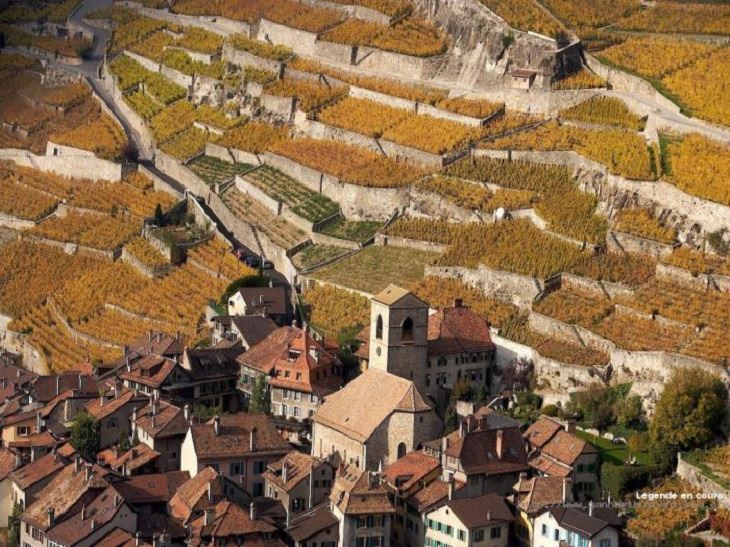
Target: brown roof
column 549, row 466
column 231, row 520
column 551, row 439
column 304, row 365
column 7, row 463
column 236, row 433
column 345, row 412
column 67, row 489
column 157, row 343
column 210, row 363
column 134, row 458
column 272, row 300
column 101, row 510
column 434, row 493
column 46, row 465
column 393, row 294
column 264, row 355
column 314, row 521
column 580, row 521
column 151, row 370
column 120, row 538
column 253, row 328
column 457, row 329
column 364, row 338
column 152, row 488
column 541, row 431
column 166, row 421
column 187, row 496
column 298, row 467
column 47, row 387
column 358, row 492
column 110, row 405
column 43, row 438
column 531, row 495
column 523, row 73
column 478, row 451
column 481, row 510
column 408, row 470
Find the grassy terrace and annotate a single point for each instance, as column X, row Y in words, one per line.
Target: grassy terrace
column 351, row 230
column 281, row 232
column 376, row 266
column 303, row 201
column 215, row 171
column 614, row 453
column 316, row 254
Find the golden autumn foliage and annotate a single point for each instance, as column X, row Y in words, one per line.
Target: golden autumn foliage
column 102, row 136
column 310, row 94
column 145, row 252
column 525, row 15
column 642, row 223
column 335, row 310
column 604, row 111
column 701, row 167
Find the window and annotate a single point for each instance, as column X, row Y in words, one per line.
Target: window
column 297, row 413
column 495, row 532
column 556, row 534
column 401, row 450
column 407, row 330
column 544, row 530
column 21, row 431
column 461, row 535
column 236, row 468
column 285, row 393
column 428, row 380
column 259, row 467
column 258, row 489
column 312, row 398
column 479, row 534
column 284, row 410
column 297, row 395
column 379, row 328
column 605, row 543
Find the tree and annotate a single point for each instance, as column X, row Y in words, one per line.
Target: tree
column 690, row 410
column 85, row 436
column 629, row 412
column 14, row 526
column 260, row 396
column 159, row 217
column 451, row 420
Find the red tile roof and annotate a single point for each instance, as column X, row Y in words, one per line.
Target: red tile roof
column 110, row 405
column 166, row 421
column 189, row 494
column 551, row 439
column 8, row 462
column 410, row 469
column 46, row 465
column 298, row 467
column 532, row 495
column 241, row 434
column 120, row 538
column 43, row 439
column 231, row 520
column 304, row 365
column 131, row 460
column 358, row 492
column 264, row 355
column 150, row 370
column 152, row 488
column 457, row 329
column 481, row 510
column 479, row 453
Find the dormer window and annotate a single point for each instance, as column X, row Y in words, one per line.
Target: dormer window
column 293, row 355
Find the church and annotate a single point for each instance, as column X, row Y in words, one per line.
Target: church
column 414, row 358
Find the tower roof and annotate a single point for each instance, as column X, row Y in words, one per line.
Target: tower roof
column 392, row 294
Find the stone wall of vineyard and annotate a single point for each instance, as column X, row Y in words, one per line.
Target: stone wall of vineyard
column 262, row 197
column 80, row 166
column 358, row 12
column 323, row 239
column 381, row 239
column 601, row 288
column 357, row 202
column 621, row 242
column 319, row 130
column 333, row 52
column 693, row 217
column 698, row 281
column 134, row 120
column 282, row 107
column 521, row 290
column 142, row 268
column 694, row 476
column 301, row 41
column 397, row 65
column 424, row 203
column 244, row 59
column 176, row 76
column 149, row 64
column 558, row 377
column 219, row 25
column 15, row 223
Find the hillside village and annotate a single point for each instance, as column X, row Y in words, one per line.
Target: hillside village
column 364, row 273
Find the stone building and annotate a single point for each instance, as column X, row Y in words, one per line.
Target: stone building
column 268, row 302
column 470, row 522
column 113, row 412
column 162, row 427
column 531, row 497
column 238, row 446
column 395, row 420
column 360, row 502
column 299, row 481
column 556, row 451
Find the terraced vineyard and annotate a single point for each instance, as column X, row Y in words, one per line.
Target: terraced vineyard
column 214, row 171
column 299, row 198
column 281, row 232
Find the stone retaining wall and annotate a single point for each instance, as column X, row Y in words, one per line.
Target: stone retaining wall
column 67, row 164
column 301, row 41
column 429, row 204
column 176, row 76
column 259, row 195
column 700, row 281
column 394, row 241
column 283, row 107
column 622, row 242
column 15, row 223
column 694, row 476
column 143, row 268
column 244, row 59
column 599, row 287
column 521, row 290
column 149, row 64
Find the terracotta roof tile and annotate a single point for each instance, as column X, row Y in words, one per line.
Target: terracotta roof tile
column 541, row 431
column 152, row 488
column 101, row 410
column 31, row 473
column 131, row 460
column 120, row 538
column 150, row 370
column 272, row 300
column 8, row 462
column 344, row 411
column 481, row 510
column 298, row 467
column 263, row 356
column 566, row 447
column 166, row 421
column 44, row 439
column 231, row 520
column 410, row 469
column 253, row 328
column 457, row 329
column 532, row 495
column 478, row 451
column 47, row 387
column 189, row 494
column 549, row 466
column 358, row 492
column 304, row 365
column 236, row 433
column 434, row 493
column 312, row 522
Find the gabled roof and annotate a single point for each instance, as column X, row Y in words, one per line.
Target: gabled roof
column 131, row 460
column 101, row 409
column 298, row 467
column 240, row 434
column 157, row 343
column 120, row 538
column 410, row 469
column 307, row 524
column 37, row 470
column 150, row 370
column 231, row 520
column 306, row 366
column 46, row 388
column 579, row 521
column 457, row 329
column 212, row 363
column 271, row 300
column 151, row 488
column 253, row 328
column 541, row 431
column 8, row 462
column 345, row 412
column 481, row 510
column 532, row 495
column 68, row 488
column 478, row 451
column 166, row 421
column 434, row 493
column 551, row 439
column 263, row 356
column 393, row 294
column 358, row 492
column 189, row 494
column 101, row 510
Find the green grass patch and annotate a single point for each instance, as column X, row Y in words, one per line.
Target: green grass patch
column 617, row 454
column 351, row 230
column 215, row 171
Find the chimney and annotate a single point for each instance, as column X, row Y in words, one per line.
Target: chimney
column 186, row 411
column 177, row 335
column 116, row 390
column 285, row 471
column 149, row 336
column 288, row 516
column 570, row 425
column 101, row 399
column 210, row 492
column 93, row 524
column 444, row 443
column 58, row 384
column 80, row 382
column 217, row 425
column 590, row 508
column 38, row 422
column 83, row 512
column 470, row 423
column 209, row 516
column 450, row 485
column 461, row 429
column 458, row 302
column 77, row 463
column 252, row 512
column 500, row 439
column 294, row 323
column 129, row 365
column 51, row 517
column 88, row 472
column 489, row 516
column 134, row 415
column 311, row 487
column 566, row 488
column 136, row 539
column 250, row 439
